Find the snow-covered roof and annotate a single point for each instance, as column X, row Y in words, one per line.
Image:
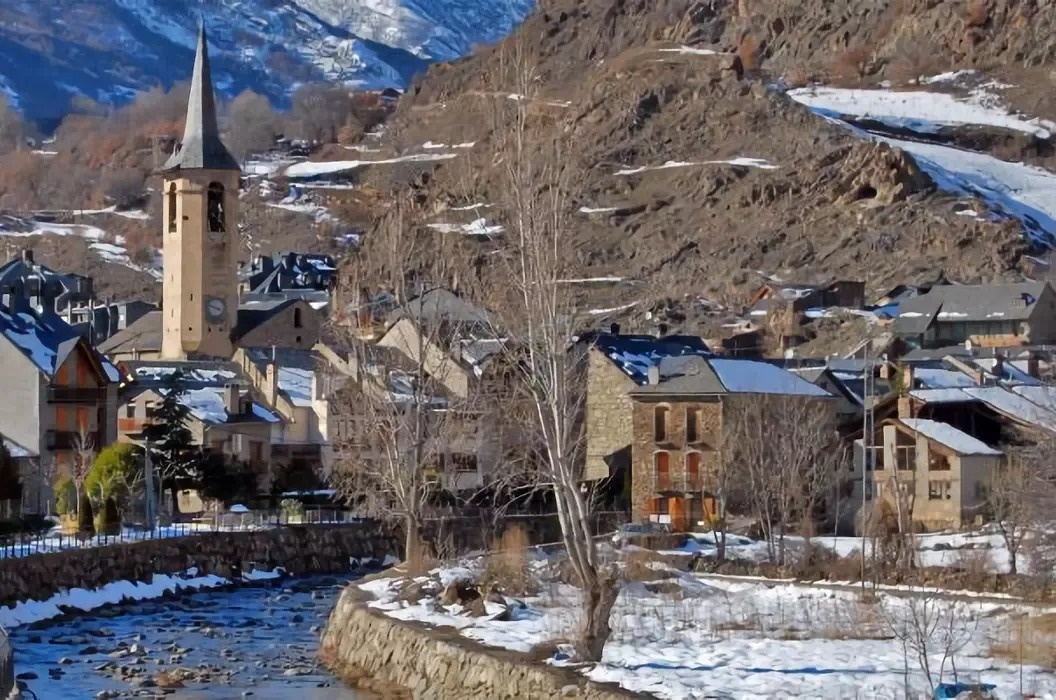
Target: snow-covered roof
column 942, row 396
column 1014, row 405
column 949, row 436
column 931, row 378
column 635, row 354
column 47, row 340
column 691, row 375
column 208, row 406
column 16, row 451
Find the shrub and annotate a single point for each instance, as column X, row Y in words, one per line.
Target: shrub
column 65, row 496
column 291, row 507
column 113, row 471
column 85, row 519
column 123, row 187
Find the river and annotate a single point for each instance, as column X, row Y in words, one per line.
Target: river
column 255, row 642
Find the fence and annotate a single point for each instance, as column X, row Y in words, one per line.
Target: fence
column 56, row 540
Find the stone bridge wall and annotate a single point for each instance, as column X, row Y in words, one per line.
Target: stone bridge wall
column 314, row 549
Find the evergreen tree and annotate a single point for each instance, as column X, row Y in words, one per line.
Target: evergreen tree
column 173, row 451
column 10, row 479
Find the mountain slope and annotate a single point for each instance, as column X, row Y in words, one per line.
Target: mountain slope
column 693, row 172
column 52, row 50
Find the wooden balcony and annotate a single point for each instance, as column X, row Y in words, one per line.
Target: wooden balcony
column 90, row 395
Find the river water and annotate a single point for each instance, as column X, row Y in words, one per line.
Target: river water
column 255, row 643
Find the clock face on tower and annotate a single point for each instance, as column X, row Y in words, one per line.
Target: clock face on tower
column 215, row 308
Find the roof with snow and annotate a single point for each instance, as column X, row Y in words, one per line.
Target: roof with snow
column 964, row 302
column 950, row 437
column 16, row 450
column 143, row 335
column 47, row 340
column 294, row 370
column 1025, row 404
column 635, row 354
column 440, row 305
column 696, row 376
column 205, row 384
column 201, row 147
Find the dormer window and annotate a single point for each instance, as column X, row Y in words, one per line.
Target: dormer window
column 215, row 208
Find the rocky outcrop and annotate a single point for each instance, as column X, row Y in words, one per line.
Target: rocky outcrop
column 880, row 173
column 369, row 650
column 299, row 550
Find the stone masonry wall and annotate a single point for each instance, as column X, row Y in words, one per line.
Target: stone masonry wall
column 372, row 651
column 608, row 409
column 709, row 445
column 299, row 550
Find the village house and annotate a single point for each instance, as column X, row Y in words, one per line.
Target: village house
column 224, row 417
column 60, row 395
column 800, row 297
column 936, row 473
column 989, row 315
column 616, row 364
column 308, row 276
column 678, row 431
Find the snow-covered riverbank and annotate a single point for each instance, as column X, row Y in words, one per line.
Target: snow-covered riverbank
column 210, row 645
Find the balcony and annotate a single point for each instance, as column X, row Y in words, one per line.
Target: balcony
column 92, row 395
column 69, row 439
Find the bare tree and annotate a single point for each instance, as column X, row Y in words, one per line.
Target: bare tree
column 84, row 449
column 1013, row 503
column 406, row 406
column 927, row 625
column 786, row 454
column 12, row 127
column 252, row 124
column 320, row 111
column 902, row 494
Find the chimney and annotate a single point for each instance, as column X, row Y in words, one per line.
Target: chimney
column 271, row 383
column 907, row 378
column 905, row 407
column 654, row 375
column 231, row 395
column 614, row 329
column 999, row 366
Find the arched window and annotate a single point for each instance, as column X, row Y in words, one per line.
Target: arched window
column 297, row 322
column 214, row 207
column 693, row 482
column 662, row 471
column 660, row 414
column 172, row 208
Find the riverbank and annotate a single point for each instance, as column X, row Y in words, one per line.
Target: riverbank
column 299, row 550
column 207, row 645
column 405, row 660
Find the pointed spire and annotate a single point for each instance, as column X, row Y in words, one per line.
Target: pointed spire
column 202, row 147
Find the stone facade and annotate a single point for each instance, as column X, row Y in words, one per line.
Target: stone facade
column 677, row 444
column 296, row 327
column 608, row 414
column 372, row 651
column 299, row 550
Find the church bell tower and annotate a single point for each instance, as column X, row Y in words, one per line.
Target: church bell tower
column 200, row 219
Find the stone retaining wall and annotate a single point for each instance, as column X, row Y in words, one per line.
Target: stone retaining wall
column 372, row 651
column 314, row 549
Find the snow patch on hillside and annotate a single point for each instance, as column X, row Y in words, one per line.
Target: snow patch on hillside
column 302, row 170
column 920, row 111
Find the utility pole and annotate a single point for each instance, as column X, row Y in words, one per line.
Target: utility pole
column 867, row 451
column 148, row 484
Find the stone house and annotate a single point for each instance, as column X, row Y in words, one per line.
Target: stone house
column 616, row 364
column 56, row 387
column 987, row 315
column 941, row 473
column 678, row 436
column 225, row 417
column 800, row 297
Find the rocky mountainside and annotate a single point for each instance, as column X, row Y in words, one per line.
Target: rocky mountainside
column 52, row 50
column 697, row 173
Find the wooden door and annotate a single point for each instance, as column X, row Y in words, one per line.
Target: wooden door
column 676, row 507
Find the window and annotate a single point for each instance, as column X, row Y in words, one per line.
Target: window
column 692, row 471
column 693, row 421
column 297, row 322
column 660, row 506
column 939, row 491
column 172, row 208
column 130, row 410
column 662, row 469
column 256, row 452
column 660, row 423
column 464, row 463
column 215, row 208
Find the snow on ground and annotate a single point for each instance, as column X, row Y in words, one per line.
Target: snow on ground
column 430, row 146
column 615, row 309
column 312, row 169
column 597, row 210
column 26, row 612
column 472, row 207
column 319, row 213
column 919, row 110
column 742, row 161
column 477, row 227
column 698, row 636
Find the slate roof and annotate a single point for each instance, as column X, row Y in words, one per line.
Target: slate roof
column 205, row 383
column 47, row 340
column 704, row 376
column 144, row 335
column 201, row 147
column 295, row 369
column 979, row 302
column 253, row 314
column 440, row 305
column 949, row 436
column 634, row 354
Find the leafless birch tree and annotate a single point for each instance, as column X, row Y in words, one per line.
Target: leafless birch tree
column 785, row 454
column 84, row 449
column 1013, row 503
column 927, row 625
